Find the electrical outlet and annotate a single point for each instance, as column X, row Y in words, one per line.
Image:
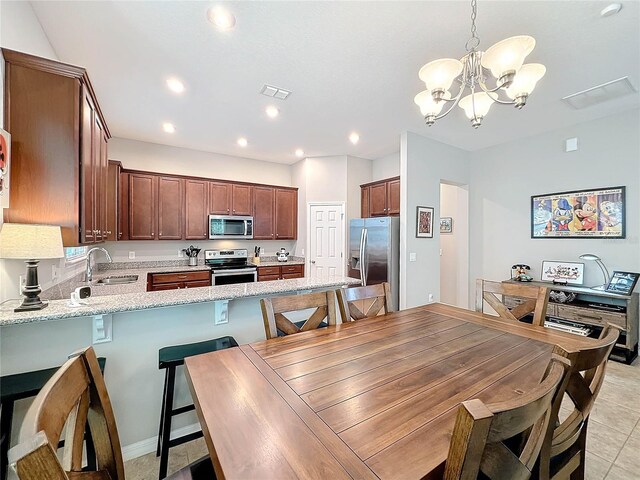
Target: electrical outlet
column 430, row 297
column 180, row 253
column 261, row 250
column 54, row 273
column 412, row 257
column 132, row 255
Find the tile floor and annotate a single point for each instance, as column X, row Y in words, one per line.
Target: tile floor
column 613, row 442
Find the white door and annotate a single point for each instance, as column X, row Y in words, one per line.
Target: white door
column 326, row 240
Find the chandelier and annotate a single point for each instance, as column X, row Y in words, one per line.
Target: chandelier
column 502, row 62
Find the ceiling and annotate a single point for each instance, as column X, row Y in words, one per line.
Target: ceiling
column 352, row 66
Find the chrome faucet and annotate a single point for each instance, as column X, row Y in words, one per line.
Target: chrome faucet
column 89, row 270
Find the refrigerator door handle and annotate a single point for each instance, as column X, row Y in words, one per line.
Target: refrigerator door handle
column 363, row 263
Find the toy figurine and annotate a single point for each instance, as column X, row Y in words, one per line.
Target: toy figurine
column 519, row 273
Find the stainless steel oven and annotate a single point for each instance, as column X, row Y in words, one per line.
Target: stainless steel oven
column 230, row 227
column 230, row 266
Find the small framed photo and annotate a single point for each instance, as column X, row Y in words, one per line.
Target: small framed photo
column 622, row 283
column 446, row 225
column 571, row 273
column 424, row 222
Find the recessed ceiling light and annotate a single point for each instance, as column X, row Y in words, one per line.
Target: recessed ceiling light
column 221, row 18
column 242, row 142
column 354, row 137
column 175, row 85
column 611, row 9
column 299, row 153
column 272, row 111
column 169, row 127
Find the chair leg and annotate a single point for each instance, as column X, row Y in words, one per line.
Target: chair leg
column 578, row 473
column 92, row 464
column 6, row 419
column 164, row 399
column 165, row 436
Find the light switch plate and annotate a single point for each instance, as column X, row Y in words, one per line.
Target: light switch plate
column 132, row 255
column 571, row 144
column 102, row 328
column 221, row 312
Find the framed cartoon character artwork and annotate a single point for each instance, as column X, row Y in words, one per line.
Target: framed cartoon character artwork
column 424, row 222
column 5, row 164
column 595, row 213
column 571, row 273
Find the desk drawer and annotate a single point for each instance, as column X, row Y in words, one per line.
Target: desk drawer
column 591, row 316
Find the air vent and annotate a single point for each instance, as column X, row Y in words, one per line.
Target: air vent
column 600, row 93
column 275, row 92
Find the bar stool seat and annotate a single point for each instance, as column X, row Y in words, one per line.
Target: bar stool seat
column 169, row 358
column 19, row 386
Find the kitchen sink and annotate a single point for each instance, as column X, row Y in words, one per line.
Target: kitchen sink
column 118, row 280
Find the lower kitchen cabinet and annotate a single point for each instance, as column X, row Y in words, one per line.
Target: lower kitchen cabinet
column 281, row 272
column 178, row 280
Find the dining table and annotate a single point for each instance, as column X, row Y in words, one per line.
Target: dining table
column 374, row 398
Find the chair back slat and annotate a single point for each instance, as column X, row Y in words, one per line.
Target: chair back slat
column 356, row 303
column 480, row 435
column 581, row 386
column 273, row 310
column 75, row 395
column 536, row 300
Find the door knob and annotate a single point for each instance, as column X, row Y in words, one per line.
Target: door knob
column 313, row 261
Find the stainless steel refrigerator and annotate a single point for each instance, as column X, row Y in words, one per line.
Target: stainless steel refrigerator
column 374, row 252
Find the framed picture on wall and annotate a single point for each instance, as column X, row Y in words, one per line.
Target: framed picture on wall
column 595, row 213
column 424, row 222
column 5, row 166
column 571, row 273
column 446, row 225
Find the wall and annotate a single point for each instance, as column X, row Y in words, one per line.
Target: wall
column 20, row 30
column 454, row 247
column 386, row 167
column 504, row 177
column 424, row 164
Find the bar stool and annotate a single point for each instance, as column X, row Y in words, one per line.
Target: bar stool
column 169, row 358
column 24, row 385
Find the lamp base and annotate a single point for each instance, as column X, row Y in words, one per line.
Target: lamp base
column 31, row 290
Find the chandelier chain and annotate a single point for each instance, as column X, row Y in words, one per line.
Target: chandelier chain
column 474, row 41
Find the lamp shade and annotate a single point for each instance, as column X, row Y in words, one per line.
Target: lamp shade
column 508, row 55
column 480, row 104
column 427, row 105
column 30, row 241
column 440, row 74
column 525, row 80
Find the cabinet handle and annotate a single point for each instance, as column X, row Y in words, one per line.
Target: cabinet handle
column 227, row 210
column 182, row 276
column 277, row 235
column 108, row 232
column 152, row 234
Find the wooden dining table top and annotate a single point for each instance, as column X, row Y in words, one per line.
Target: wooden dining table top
column 376, row 398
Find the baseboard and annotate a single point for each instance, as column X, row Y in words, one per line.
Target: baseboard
column 149, row 445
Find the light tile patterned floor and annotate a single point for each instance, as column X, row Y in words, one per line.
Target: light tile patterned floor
column 613, row 441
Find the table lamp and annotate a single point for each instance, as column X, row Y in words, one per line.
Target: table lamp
column 31, row 243
column 605, row 272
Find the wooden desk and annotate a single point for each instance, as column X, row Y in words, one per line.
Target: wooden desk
column 368, row 399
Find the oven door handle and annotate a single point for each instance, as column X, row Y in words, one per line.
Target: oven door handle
column 234, row 272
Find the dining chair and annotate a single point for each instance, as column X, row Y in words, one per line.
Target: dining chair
column 535, row 299
column 276, row 324
column 357, row 303
column 563, row 452
column 481, row 445
column 74, row 396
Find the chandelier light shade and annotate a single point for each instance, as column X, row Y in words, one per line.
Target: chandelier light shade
column 498, row 75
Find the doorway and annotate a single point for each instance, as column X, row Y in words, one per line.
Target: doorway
column 454, row 244
column 325, row 240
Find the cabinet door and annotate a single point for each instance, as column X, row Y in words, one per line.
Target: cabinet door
column 364, row 202
column 378, row 200
column 87, row 207
column 142, row 206
column 165, row 286
column 170, row 195
column 288, row 276
column 198, row 283
column 99, row 177
column 242, row 203
column 219, row 198
column 105, row 177
column 123, row 208
column 113, row 193
column 286, row 214
column 263, row 213
column 196, row 209
column 266, row 278
column 393, row 197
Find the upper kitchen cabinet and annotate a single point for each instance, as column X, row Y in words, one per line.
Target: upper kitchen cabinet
column 59, row 155
column 142, row 195
column 219, row 198
column 113, row 194
column 196, row 209
column 242, row 199
column 170, row 198
column 380, row 198
column 286, row 207
column 264, row 213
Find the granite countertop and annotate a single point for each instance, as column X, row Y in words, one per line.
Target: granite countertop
column 140, row 300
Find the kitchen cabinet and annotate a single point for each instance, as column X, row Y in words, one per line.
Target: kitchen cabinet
column 241, row 199
column 196, row 209
column 219, row 198
column 170, row 209
column 380, row 198
column 142, row 206
column 59, row 154
column 178, row 280
column 264, row 213
column 123, row 207
column 286, row 214
column 280, row 272
column 113, row 195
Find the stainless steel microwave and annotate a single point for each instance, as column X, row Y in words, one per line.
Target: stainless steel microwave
column 230, row 227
